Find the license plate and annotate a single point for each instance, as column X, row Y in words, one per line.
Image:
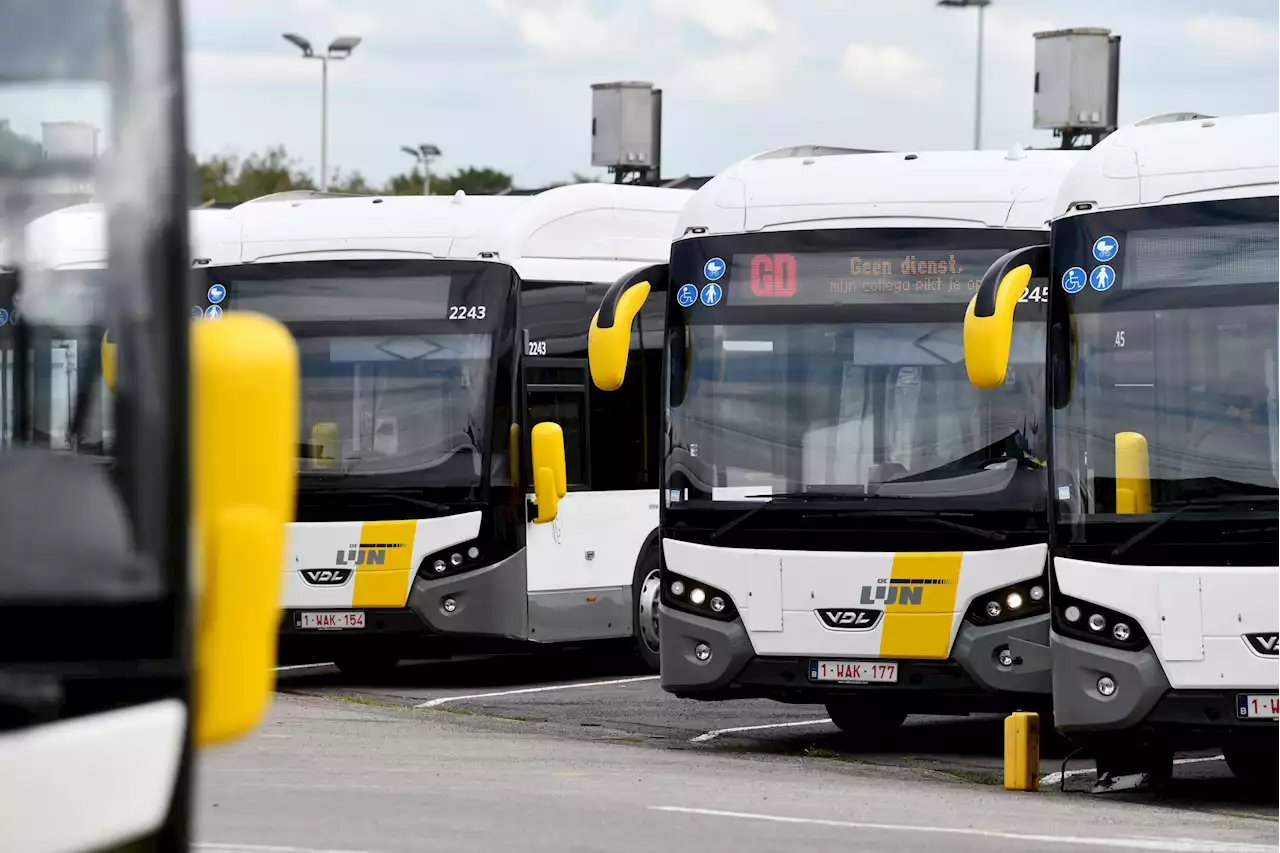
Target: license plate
column 854, row 671
column 333, row 620
column 1257, row 706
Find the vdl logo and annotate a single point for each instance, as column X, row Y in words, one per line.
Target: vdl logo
column 365, row 554
column 850, row 618
column 1264, row 644
column 326, row 577
column 902, row 591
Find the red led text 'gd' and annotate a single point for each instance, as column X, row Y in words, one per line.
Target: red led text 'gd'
column 773, row 275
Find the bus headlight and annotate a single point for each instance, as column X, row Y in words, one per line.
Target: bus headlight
column 690, row 596
column 1084, row 620
column 1016, row 601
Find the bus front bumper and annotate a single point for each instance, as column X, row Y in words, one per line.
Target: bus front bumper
column 973, row 679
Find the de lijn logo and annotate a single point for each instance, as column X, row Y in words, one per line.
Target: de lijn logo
column 364, row 554
column 902, row 591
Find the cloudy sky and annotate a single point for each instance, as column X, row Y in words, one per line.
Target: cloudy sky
column 506, row 83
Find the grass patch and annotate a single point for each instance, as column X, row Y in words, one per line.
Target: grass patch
column 364, row 700
column 972, row 776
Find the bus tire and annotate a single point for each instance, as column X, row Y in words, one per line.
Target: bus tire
column 852, row 716
column 1252, row 760
column 644, row 610
column 367, row 664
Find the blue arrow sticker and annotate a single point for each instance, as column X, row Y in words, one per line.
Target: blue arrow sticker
column 713, row 269
column 4, row 316
column 196, row 312
column 686, row 295
column 1102, row 277
column 1105, row 248
column 1073, row 280
column 213, row 312
column 711, row 294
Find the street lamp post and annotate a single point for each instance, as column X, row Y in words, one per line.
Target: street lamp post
column 977, row 102
column 339, row 48
column 423, row 153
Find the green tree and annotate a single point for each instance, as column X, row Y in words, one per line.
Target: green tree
column 351, row 182
column 471, row 181
column 16, row 149
column 407, row 184
column 228, row 179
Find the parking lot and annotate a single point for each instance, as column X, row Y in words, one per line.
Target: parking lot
column 599, row 696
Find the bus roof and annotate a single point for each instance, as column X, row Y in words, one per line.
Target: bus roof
column 1176, row 158
column 608, row 228
column 831, row 188
column 75, row 237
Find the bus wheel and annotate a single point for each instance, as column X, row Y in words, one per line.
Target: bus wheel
column 644, row 611
column 864, row 717
column 366, row 664
column 1252, row 760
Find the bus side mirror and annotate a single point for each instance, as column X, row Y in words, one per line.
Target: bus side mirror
column 549, row 476
column 988, row 323
column 244, row 438
column 325, row 439
column 609, row 341
column 108, row 355
column 1133, row 474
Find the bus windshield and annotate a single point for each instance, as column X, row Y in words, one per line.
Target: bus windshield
column 1179, row 346
column 396, row 361
column 832, row 363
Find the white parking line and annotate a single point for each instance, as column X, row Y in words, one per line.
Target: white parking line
column 301, row 666
column 266, row 848
column 1055, row 778
column 444, row 700
column 1173, row 845
column 712, row 735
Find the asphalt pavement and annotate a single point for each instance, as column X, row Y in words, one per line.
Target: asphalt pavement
column 339, row 773
column 598, row 695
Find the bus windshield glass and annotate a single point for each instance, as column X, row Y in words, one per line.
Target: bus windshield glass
column 1174, row 341
column 397, row 361
column 832, row 363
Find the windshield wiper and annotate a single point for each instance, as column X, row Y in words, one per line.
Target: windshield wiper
column 993, row 535
column 787, row 497
column 396, row 493
column 1195, row 503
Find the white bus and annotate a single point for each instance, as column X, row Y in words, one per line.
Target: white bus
column 68, row 253
column 1163, row 461
column 434, row 333
column 845, row 519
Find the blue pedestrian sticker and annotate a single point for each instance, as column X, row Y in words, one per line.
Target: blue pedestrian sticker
column 217, row 293
column 1073, row 280
column 1105, row 248
column 196, row 312
column 4, row 316
column 711, row 294
column 713, row 270
column 687, row 295
column 1102, row 277
column 213, row 312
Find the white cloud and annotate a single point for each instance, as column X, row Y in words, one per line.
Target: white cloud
column 1230, row 36
column 735, row 77
column 729, row 20
column 889, row 70
column 568, row 29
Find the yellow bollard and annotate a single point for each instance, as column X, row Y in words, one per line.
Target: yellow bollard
column 1022, row 751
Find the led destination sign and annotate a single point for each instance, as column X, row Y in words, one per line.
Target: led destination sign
column 842, row 278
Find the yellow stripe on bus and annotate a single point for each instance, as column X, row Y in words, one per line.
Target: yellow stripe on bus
column 382, row 580
column 922, row 629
